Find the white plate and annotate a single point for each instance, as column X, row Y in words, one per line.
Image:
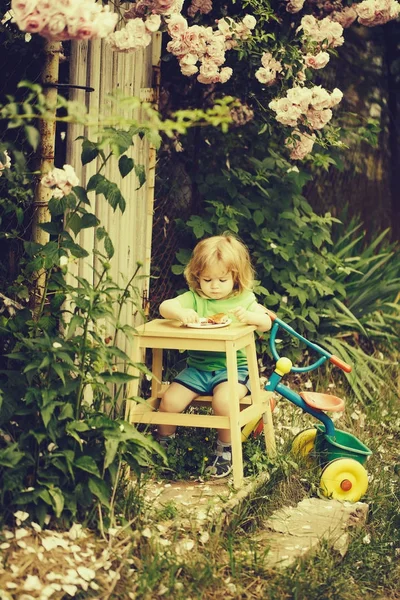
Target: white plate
column 209, row 325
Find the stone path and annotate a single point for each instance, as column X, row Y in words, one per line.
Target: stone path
column 288, row 534
column 294, row 532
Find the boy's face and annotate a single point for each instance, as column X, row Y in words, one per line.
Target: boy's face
column 216, row 282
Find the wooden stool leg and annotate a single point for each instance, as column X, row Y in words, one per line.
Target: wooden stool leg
column 256, row 396
column 269, row 432
column 133, row 386
column 236, row 438
column 157, row 372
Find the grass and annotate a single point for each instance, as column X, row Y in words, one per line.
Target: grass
column 161, row 556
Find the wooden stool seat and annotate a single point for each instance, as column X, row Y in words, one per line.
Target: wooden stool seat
column 162, row 334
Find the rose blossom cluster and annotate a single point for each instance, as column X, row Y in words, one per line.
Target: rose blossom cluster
column 201, row 6
column 300, row 145
column 236, row 32
column 294, row 6
column 309, row 107
column 155, row 7
column 270, row 67
column 345, row 17
column 136, row 34
column 6, row 164
column 61, row 181
column 326, row 32
column 201, row 50
column 377, row 12
column 316, row 61
column 67, row 20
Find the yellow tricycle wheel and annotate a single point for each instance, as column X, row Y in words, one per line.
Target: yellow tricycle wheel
column 344, row 479
column 304, row 442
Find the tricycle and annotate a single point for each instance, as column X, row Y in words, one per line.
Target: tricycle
column 339, row 453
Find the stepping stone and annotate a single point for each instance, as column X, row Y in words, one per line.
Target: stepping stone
column 291, row 533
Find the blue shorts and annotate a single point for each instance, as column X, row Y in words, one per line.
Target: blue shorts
column 204, row 382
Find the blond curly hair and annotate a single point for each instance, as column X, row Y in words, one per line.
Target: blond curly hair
column 225, row 249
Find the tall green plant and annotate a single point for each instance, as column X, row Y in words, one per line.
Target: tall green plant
column 63, row 443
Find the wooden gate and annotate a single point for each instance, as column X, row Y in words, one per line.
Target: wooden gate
column 95, row 65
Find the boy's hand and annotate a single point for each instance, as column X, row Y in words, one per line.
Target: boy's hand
column 242, row 315
column 188, row 315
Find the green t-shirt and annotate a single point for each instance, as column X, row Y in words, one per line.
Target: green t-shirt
column 206, row 307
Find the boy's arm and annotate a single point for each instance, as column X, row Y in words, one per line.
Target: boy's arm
column 258, row 317
column 172, row 309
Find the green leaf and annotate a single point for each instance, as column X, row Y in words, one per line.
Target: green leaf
column 75, row 223
column 101, row 233
column 57, row 500
column 80, row 192
column 125, row 165
column 32, row 135
column 31, row 248
column 140, row 174
column 76, row 321
column 177, row 269
column 115, row 198
column 89, row 220
column 67, row 412
column 76, row 250
column 10, row 456
column 117, row 377
column 111, row 446
column 48, row 410
column 258, row 217
column 87, row 463
column 57, row 368
column 89, row 151
column 58, row 206
column 101, row 490
column 52, row 228
column 108, row 247
column 98, row 183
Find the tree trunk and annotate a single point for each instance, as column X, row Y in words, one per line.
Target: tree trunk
column 47, row 130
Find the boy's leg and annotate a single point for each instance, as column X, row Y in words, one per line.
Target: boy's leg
column 221, row 403
column 222, row 463
column 176, row 398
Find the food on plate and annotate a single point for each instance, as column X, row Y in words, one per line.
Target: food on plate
column 216, row 319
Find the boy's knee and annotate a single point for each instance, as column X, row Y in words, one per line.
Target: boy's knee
column 167, row 403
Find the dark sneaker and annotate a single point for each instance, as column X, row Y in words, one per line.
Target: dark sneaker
column 165, row 440
column 222, row 464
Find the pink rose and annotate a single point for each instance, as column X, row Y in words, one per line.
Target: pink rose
column 188, row 70
column 319, row 61
column 177, row 25
column 294, row 6
column 225, row 74
column 300, row 145
column 317, row 119
column 152, row 23
column 6, row 164
column 208, row 69
column 194, row 37
column 177, row 48
column 86, row 31
column 56, row 26
column 265, row 76
column 34, row 23
column 22, row 8
column 345, row 17
column 249, row 21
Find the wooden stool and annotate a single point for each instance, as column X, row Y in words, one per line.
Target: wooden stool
column 163, row 334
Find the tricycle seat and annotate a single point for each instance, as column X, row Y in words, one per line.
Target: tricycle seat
column 325, row 402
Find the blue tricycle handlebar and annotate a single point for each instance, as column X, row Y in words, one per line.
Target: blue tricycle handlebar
column 325, row 354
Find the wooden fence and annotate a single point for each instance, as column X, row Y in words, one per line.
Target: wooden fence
column 95, row 65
